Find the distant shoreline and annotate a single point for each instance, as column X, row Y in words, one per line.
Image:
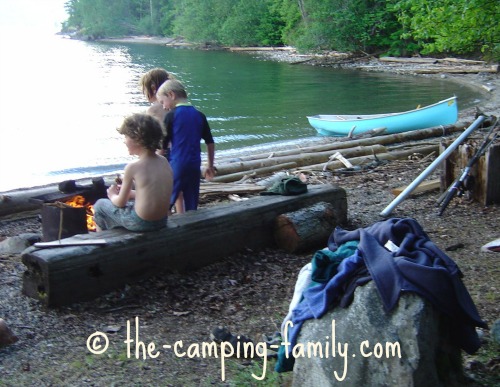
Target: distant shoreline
column 486, row 82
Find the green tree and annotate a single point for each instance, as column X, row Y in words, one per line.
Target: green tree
column 251, row 23
column 288, row 12
column 396, row 27
column 452, row 26
column 345, row 25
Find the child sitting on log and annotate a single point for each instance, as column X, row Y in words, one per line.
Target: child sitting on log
column 146, row 207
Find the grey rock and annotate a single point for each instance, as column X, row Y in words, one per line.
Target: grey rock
column 7, row 337
column 408, row 347
column 17, row 244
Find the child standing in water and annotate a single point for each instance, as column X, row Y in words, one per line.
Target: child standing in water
column 186, row 127
column 146, row 207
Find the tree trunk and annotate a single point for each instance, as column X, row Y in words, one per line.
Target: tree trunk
column 305, row 229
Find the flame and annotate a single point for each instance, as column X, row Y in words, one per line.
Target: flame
column 80, row 201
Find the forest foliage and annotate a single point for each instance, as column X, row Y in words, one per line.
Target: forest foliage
column 383, row 27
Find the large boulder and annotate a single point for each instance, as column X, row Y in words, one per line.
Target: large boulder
column 408, row 347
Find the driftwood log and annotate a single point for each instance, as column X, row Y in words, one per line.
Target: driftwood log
column 458, row 70
column 237, row 176
column 341, row 143
column 364, row 160
column 305, row 229
column 64, row 275
column 301, row 159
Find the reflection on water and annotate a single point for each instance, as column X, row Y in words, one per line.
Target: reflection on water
column 61, row 101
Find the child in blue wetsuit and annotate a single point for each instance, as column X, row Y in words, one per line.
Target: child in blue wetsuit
column 186, row 127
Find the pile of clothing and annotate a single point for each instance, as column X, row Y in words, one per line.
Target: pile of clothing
column 399, row 257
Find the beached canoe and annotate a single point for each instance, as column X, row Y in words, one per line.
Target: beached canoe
column 441, row 113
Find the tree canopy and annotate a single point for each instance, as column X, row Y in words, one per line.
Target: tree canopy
column 390, row 27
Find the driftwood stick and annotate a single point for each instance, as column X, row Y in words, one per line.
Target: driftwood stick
column 382, row 156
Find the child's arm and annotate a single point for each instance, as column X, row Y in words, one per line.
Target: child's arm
column 210, row 171
column 119, row 196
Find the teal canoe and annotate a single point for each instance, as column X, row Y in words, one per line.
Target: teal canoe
column 441, row 113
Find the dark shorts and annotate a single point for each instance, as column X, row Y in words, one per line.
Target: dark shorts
column 108, row 216
column 187, row 181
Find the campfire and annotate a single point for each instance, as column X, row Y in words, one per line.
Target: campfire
column 79, row 201
column 70, row 211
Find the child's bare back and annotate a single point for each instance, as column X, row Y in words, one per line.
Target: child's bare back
column 152, row 178
column 142, row 202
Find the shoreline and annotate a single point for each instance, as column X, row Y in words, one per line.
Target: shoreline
column 486, row 82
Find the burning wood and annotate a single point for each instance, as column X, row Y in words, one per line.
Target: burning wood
column 79, row 201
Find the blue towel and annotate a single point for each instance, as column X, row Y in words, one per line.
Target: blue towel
column 315, row 303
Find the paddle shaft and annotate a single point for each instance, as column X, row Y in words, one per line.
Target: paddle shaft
column 387, row 211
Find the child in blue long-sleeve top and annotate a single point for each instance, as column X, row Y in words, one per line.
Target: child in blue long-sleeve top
column 186, row 126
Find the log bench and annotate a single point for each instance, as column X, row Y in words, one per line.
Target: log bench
column 64, row 275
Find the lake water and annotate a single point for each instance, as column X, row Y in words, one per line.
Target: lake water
column 61, row 101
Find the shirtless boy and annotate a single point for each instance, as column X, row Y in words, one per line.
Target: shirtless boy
column 146, row 207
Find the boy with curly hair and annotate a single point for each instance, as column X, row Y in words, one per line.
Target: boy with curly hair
column 142, row 201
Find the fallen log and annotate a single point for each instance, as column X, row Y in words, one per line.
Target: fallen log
column 64, row 275
column 458, row 70
column 462, row 61
column 305, row 229
column 260, row 48
column 339, row 144
column 300, row 159
column 18, row 201
column 432, row 60
column 359, row 161
column 407, row 60
column 214, row 187
column 253, row 173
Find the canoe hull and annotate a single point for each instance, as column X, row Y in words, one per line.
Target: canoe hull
column 441, row 113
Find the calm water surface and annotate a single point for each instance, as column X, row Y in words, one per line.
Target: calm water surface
column 61, row 101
